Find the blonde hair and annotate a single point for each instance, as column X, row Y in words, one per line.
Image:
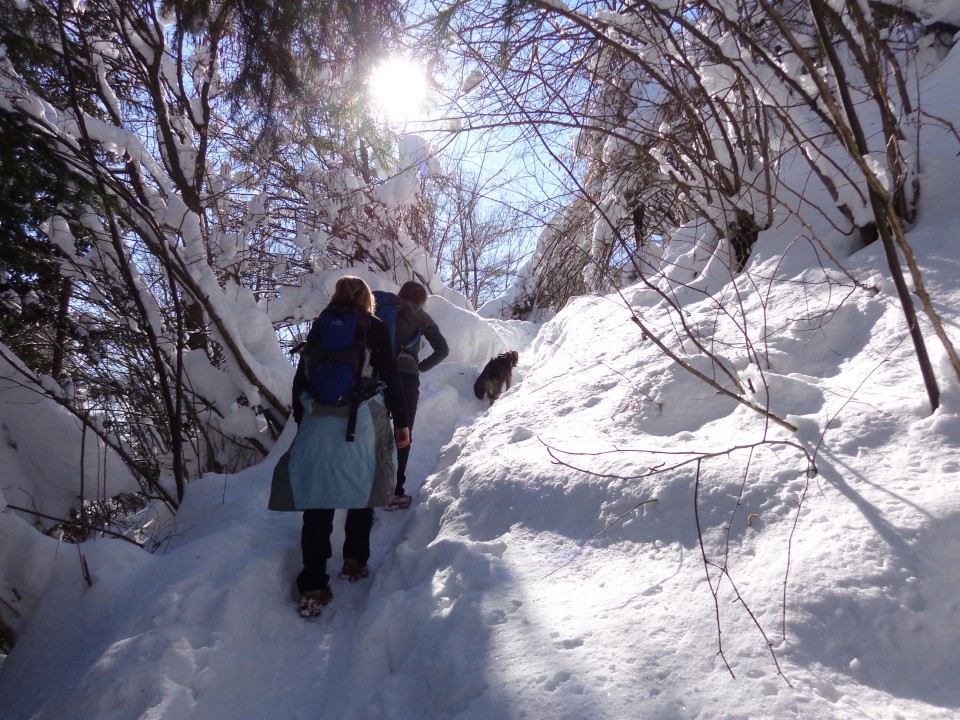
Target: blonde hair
column 351, row 290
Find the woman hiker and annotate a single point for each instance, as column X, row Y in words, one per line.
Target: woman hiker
column 343, row 456
column 413, row 324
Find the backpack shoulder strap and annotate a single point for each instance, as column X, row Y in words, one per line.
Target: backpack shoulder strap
column 409, row 311
column 359, row 392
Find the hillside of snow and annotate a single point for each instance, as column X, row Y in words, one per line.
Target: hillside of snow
column 536, row 576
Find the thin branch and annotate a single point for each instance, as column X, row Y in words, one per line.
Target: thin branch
column 63, row 521
column 613, row 522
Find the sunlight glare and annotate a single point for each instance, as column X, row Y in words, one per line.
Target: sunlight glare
column 398, row 87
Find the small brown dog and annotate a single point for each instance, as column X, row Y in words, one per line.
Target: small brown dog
column 497, row 376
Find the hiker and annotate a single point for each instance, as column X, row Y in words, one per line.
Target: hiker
column 413, row 323
column 343, row 454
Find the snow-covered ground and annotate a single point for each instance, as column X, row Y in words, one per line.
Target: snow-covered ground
column 505, row 592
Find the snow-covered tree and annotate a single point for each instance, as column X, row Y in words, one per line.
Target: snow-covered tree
column 476, row 237
column 703, row 125
column 218, row 155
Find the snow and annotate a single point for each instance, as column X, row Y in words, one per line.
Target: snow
column 542, row 572
column 34, row 478
column 611, row 539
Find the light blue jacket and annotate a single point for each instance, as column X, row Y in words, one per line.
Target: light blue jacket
column 322, row 470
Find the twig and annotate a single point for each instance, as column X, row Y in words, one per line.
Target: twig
column 656, row 469
column 725, row 571
column 11, row 607
column 706, row 569
column 75, row 522
column 594, row 537
column 712, row 383
column 83, row 566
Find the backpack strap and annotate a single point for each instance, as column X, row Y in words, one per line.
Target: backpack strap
column 390, row 309
column 408, row 313
column 360, row 340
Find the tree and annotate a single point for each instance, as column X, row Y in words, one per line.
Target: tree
column 690, row 121
column 37, row 196
column 691, row 130
column 477, row 238
column 216, row 155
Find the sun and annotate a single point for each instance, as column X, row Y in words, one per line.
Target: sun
column 398, row 88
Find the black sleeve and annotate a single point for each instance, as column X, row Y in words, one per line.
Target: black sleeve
column 384, row 361
column 438, row 343
column 300, row 385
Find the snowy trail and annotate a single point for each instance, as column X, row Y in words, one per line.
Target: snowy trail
column 352, row 661
column 357, row 658
column 508, row 591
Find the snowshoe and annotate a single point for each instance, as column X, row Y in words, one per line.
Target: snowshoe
column 400, row 502
column 353, row 571
column 312, row 601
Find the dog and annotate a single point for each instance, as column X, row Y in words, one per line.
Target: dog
column 496, row 377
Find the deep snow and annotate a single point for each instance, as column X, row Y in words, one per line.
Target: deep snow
column 499, row 594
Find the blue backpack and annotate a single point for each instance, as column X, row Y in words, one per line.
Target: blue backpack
column 389, row 306
column 336, row 361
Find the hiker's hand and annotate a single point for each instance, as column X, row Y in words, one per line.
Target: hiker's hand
column 402, row 436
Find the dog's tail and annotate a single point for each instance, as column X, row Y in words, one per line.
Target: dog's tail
column 480, row 388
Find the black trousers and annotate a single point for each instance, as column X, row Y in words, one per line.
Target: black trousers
column 315, row 544
column 411, row 396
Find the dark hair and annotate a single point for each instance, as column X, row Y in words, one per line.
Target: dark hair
column 413, row 292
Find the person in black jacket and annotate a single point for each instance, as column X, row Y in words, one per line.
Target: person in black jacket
column 413, row 325
column 320, row 472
